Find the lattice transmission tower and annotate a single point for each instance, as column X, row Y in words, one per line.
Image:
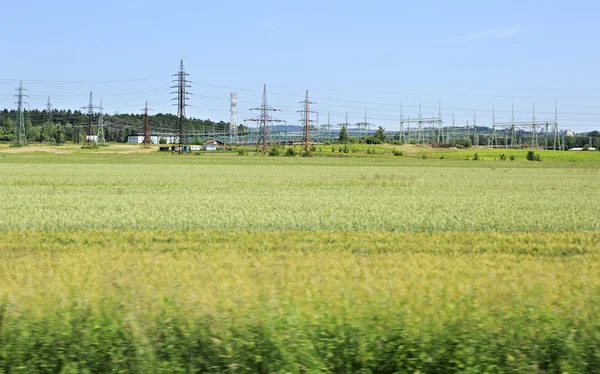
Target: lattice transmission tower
column 233, row 100
column 306, row 121
column 265, row 121
column 101, row 136
column 90, row 139
column 182, row 93
column 49, row 114
column 21, row 135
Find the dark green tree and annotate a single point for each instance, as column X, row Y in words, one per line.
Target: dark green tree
column 343, row 138
column 380, row 134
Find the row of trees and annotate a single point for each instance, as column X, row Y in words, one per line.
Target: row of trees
column 59, row 126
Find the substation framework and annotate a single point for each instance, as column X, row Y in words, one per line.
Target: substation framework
column 419, row 129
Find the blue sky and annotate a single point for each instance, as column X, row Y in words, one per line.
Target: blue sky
column 350, row 55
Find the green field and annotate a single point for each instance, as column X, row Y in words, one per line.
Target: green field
column 126, row 260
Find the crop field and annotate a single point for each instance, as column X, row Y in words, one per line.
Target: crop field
column 134, row 261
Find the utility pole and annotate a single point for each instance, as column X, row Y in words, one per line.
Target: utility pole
column 401, row 137
column 420, row 139
column 89, row 139
column 265, row 121
column 49, row 118
column 440, row 136
column 146, row 128
column 21, row 136
column 233, row 100
column 556, row 132
column 475, row 135
column 513, row 135
column 306, row 121
column 181, row 87
column 101, row 137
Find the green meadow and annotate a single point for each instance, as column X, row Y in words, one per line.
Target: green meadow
column 127, row 260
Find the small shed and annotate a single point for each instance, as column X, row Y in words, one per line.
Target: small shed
column 212, row 145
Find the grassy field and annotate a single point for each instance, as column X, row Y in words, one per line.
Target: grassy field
column 127, row 260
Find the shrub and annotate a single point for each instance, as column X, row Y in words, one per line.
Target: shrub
column 424, row 156
column 346, row 149
column 441, row 157
column 512, row 158
column 396, row 142
column 476, row 157
column 413, row 142
column 586, row 147
column 532, row 156
column 370, row 151
column 306, row 154
column 241, row 152
column 396, row 152
column 274, row 152
column 373, row 140
column 162, row 141
column 503, row 157
column 290, row 152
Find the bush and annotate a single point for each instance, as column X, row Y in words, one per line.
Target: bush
column 162, row 141
column 306, row 154
column 476, row 157
column 274, row 152
column 241, row 152
column 290, row 152
column 503, row 157
column 370, row 151
column 532, row 156
column 512, row 158
column 396, row 142
column 346, row 149
column 396, row 152
column 586, row 147
column 424, row 156
column 372, row 140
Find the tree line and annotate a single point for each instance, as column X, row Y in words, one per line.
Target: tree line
column 59, row 126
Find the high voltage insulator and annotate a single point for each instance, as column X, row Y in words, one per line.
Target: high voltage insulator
column 21, row 138
column 306, row 121
column 182, row 98
column 265, row 121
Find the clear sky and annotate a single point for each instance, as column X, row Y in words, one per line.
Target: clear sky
column 350, row 55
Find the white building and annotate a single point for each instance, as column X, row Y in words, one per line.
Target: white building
column 91, row 138
column 212, row 145
column 154, row 138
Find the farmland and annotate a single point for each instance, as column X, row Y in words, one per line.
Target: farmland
column 124, row 260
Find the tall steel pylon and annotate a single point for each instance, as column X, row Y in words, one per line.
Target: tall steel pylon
column 475, row 134
column 101, row 137
column 420, row 138
column 21, row 135
column 440, row 135
column 401, row 137
column 265, row 121
column 181, row 90
column 306, row 121
column 49, row 116
column 89, row 139
column 513, row 134
column 146, row 127
column 556, row 132
column 233, row 100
